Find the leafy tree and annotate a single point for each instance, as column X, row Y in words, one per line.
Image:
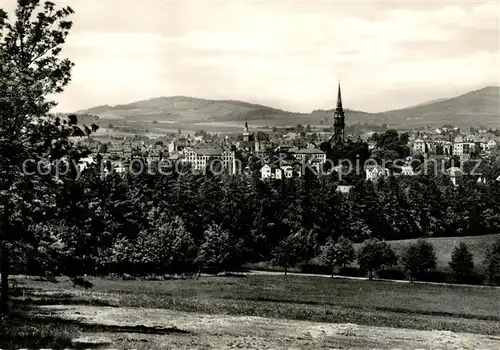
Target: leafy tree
column 419, row 257
column 462, row 262
column 492, row 262
column 286, row 254
column 308, row 244
column 218, row 250
column 375, row 254
column 30, row 71
column 337, row 253
column 168, row 248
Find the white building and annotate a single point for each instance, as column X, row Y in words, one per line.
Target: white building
column 407, row 170
column 373, row 172
column 344, row 189
column 454, row 173
column 419, row 146
column 200, row 157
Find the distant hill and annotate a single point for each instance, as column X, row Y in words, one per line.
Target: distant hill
column 481, row 107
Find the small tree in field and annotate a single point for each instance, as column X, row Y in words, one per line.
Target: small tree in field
column 462, row 262
column 492, row 262
column 308, row 242
column 375, row 254
column 286, row 254
column 419, row 257
column 337, row 253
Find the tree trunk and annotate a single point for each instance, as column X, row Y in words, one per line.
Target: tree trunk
column 4, row 271
column 333, row 269
column 285, row 271
column 371, row 275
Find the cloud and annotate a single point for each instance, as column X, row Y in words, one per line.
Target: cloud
column 267, row 51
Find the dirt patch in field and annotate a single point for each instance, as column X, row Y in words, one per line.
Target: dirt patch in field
column 224, row 331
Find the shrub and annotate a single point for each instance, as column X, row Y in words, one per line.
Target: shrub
column 350, row 272
column 391, row 274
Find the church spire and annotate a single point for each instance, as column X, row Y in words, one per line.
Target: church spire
column 338, row 120
column 339, row 100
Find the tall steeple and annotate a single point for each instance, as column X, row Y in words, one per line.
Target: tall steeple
column 246, row 134
column 338, row 120
column 339, row 100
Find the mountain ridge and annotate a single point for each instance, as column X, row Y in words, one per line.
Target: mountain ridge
column 477, row 107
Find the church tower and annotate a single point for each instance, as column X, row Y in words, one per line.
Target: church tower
column 246, row 134
column 338, row 120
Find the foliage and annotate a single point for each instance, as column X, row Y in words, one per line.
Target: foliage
column 419, row 257
column 218, row 251
column 287, row 253
column 492, row 262
column 338, row 253
column 30, row 71
column 462, row 262
column 375, row 254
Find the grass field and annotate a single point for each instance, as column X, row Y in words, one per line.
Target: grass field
column 418, row 306
column 217, row 311
column 220, row 311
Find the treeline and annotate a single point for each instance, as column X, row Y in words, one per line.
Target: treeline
column 417, row 261
column 174, row 224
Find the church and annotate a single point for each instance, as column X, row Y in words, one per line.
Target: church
column 338, row 136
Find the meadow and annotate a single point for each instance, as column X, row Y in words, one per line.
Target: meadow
column 216, row 311
column 279, row 299
column 311, row 298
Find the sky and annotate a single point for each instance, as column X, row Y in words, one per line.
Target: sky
column 287, row 54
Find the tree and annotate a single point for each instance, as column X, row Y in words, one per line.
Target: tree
column 218, row 250
column 492, row 262
column 375, row 254
column 308, row 242
column 337, row 253
column 167, row 248
column 286, row 254
column 419, row 257
column 462, row 262
column 30, row 71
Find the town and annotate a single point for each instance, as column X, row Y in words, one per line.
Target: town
column 284, row 153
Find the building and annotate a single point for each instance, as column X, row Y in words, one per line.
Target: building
column 338, row 120
column 454, row 173
column 407, row 170
column 200, row 157
column 268, row 171
column 272, row 171
column 305, row 154
column 246, row 133
column 374, row 172
column 344, row 189
column 419, row 146
column 462, row 147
